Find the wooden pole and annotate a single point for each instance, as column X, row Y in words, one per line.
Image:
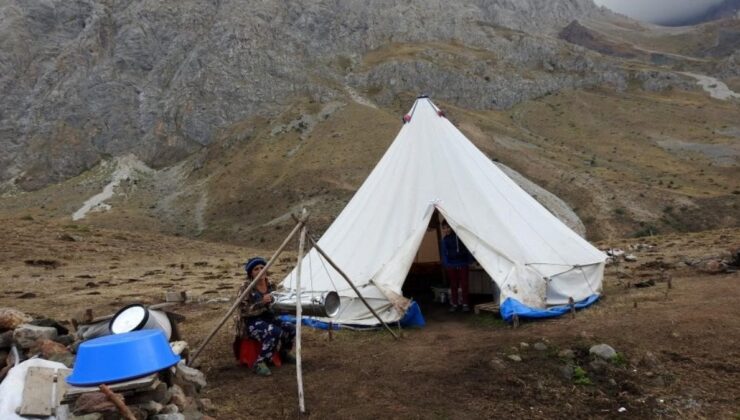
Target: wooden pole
column 352, row 285
column 572, row 305
column 249, row 288
column 125, row 412
column 299, row 323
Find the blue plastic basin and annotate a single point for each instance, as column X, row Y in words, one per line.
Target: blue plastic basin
column 121, row 357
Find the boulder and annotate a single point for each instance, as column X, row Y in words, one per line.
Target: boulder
column 603, row 351
column 47, row 322
column 11, row 319
column 48, row 348
column 540, row 346
column 26, row 335
column 177, row 397
column 191, row 375
column 94, row 402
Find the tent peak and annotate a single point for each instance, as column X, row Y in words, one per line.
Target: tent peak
column 421, row 99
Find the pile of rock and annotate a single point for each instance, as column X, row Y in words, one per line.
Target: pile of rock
column 171, row 394
column 30, row 337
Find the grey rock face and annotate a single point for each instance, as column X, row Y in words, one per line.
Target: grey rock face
column 84, row 79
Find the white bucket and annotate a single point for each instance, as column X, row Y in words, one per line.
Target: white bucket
column 136, row 317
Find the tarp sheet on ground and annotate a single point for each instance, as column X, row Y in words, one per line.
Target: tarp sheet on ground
column 531, row 255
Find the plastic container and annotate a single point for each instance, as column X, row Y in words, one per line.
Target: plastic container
column 121, row 357
column 136, row 317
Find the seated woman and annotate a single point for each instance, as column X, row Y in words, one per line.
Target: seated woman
column 256, row 320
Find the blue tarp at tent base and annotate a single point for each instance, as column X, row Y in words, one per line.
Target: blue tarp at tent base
column 412, row 318
column 511, row 306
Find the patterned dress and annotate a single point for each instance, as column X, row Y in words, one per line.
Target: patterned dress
column 256, row 320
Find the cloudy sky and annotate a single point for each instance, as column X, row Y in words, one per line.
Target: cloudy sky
column 658, row 11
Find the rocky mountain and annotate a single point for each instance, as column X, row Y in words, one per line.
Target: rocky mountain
column 82, row 80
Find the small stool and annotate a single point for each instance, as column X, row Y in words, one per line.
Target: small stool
column 249, row 350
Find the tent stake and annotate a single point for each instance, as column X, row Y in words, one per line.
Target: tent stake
column 249, row 288
column 339, row 270
column 298, row 318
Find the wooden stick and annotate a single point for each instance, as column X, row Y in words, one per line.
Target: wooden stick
column 249, row 288
column 516, row 321
column 299, row 323
column 339, row 270
column 125, row 412
column 572, row 305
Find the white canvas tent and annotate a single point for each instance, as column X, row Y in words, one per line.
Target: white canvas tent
column 531, row 255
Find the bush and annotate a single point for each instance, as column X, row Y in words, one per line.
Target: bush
column 580, row 377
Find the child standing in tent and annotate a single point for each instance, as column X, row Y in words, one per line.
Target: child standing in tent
column 456, row 260
column 256, row 320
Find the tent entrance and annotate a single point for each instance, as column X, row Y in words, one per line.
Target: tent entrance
column 427, row 282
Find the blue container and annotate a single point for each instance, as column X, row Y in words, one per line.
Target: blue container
column 121, row 357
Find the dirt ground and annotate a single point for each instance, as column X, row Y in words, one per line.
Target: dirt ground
column 679, row 347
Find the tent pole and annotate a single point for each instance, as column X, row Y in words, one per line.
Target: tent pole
column 249, row 288
column 339, row 270
column 298, row 315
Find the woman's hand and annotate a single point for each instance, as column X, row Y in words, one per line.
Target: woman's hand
column 267, row 299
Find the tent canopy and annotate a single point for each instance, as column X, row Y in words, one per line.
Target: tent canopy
column 530, row 254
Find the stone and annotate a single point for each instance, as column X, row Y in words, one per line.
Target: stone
column 66, row 339
column 169, row 416
column 26, row 335
column 67, row 359
column 151, row 407
column 515, row 357
column 539, row 346
column 94, row 402
column 566, row 354
column 177, row 397
column 630, row 258
column 48, row 348
column 6, row 339
column 205, row 404
column 191, row 375
column 497, row 364
column 524, row 345
column 566, row 371
column 170, row 409
column 713, row 267
column 48, row 322
column 179, row 346
column 649, row 360
column 603, row 351
column 192, row 414
column 158, row 395
column 11, row 319
column 598, row 365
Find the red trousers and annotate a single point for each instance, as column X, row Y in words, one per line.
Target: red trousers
column 458, row 277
